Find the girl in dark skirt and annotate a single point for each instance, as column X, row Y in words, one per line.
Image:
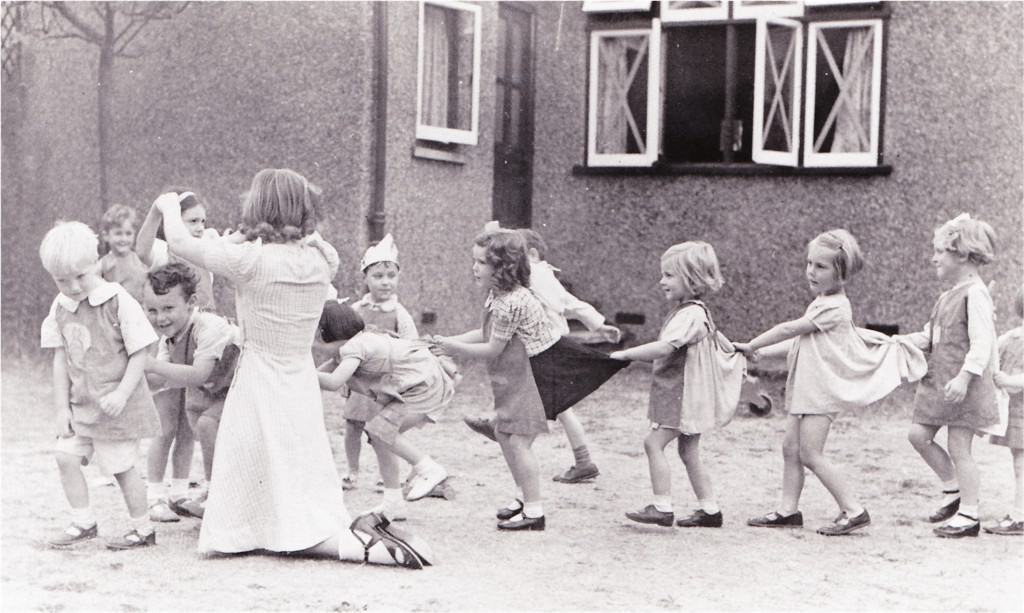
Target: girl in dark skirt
column 535, row 374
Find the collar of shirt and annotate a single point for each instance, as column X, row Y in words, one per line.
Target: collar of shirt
column 387, row 306
column 181, row 333
column 96, row 297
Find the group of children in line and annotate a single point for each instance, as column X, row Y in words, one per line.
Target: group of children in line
column 105, row 366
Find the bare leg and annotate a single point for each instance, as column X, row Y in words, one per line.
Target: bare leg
column 792, row 468
column 184, row 448
column 967, row 474
column 657, row 463
column 689, row 453
column 922, row 437
column 134, row 492
column 813, row 434
column 1018, row 481
column 573, row 428
column 206, row 431
column 168, row 410
column 388, row 464
column 522, row 463
column 76, row 490
column 353, row 444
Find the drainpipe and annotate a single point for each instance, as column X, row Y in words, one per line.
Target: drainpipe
column 376, row 216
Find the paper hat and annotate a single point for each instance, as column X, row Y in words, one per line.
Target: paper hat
column 384, row 251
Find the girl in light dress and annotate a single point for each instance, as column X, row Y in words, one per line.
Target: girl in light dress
column 680, row 405
column 833, row 366
column 958, row 392
column 274, row 485
column 406, row 385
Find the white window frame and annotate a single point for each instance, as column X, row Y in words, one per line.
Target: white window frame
column 436, row 133
column 870, row 157
column 615, row 6
column 694, row 15
column 742, row 10
column 760, row 155
column 652, row 136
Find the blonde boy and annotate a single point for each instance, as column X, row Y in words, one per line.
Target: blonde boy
column 99, row 335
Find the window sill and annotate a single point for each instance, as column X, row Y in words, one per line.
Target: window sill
column 438, row 155
column 738, row 169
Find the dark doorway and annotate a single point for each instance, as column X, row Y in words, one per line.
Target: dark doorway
column 513, row 132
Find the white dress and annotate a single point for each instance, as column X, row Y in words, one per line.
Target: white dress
column 274, row 484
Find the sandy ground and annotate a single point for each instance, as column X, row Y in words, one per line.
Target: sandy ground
column 590, row 557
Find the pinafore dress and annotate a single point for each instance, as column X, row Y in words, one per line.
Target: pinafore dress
column 948, row 344
column 517, row 402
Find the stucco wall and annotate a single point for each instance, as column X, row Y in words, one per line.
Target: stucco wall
column 953, row 133
column 221, row 91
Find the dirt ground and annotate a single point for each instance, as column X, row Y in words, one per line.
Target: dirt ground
column 589, row 558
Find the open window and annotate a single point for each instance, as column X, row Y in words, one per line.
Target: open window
column 753, row 9
column 625, row 77
column 683, row 11
column 615, row 6
column 844, row 81
column 777, row 74
column 448, row 72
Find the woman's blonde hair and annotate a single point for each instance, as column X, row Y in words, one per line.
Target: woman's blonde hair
column 848, row 259
column 970, row 238
column 696, row 264
column 280, row 206
column 69, row 247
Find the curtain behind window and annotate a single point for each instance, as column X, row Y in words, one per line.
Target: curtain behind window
column 613, row 74
column 853, row 121
column 435, row 66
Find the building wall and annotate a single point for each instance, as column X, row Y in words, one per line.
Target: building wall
column 221, row 91
column 953, row 133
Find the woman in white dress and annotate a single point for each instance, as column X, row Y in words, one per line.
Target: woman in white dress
column 274, row 485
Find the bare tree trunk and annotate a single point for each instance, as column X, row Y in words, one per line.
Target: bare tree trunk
column 104, row 92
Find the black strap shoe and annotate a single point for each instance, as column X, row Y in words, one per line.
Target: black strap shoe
column 956, row 532
column 701, row 519
column 524, row 523
column 945, row 511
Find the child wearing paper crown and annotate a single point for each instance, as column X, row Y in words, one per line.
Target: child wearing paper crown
column 958, row 392
column 405, row 383
column 380, row 309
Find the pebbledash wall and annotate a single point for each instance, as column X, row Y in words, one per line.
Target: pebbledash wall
column 225, row 89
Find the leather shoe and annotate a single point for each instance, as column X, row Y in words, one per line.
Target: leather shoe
column 701, row 519
column 1006, row 527
column 956, row 532
column 578, row 474
column 944, row 512
column 651, row 515
column 506, row 513
column 524, row 523
column 844, row 524
column 774, row 520
column 481, row 426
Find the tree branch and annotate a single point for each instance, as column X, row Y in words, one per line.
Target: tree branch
column 88, row 33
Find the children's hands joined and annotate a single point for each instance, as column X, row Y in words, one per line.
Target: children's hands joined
column 113, row 403
column 167, row 203
column 956, row 389
column 1001, row 379
column 64, row 424
column 745, row 349
column 440, row 345
column 610, row 333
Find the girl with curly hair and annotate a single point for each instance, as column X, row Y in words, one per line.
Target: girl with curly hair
column 534, row 371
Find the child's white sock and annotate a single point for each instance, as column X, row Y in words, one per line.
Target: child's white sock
column 533, row 509
column 178, row 490
column 142, row 524
column 970, row 511
column 709, row 506
column 663, row 503
column 155, row 490
column 83, row 518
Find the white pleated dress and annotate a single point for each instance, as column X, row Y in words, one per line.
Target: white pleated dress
column 274, row 484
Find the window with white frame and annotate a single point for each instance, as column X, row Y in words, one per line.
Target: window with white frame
column 774, row 82
column 448, row 72
column 625, row 73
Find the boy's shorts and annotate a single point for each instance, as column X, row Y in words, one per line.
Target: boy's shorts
column 112, row 457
